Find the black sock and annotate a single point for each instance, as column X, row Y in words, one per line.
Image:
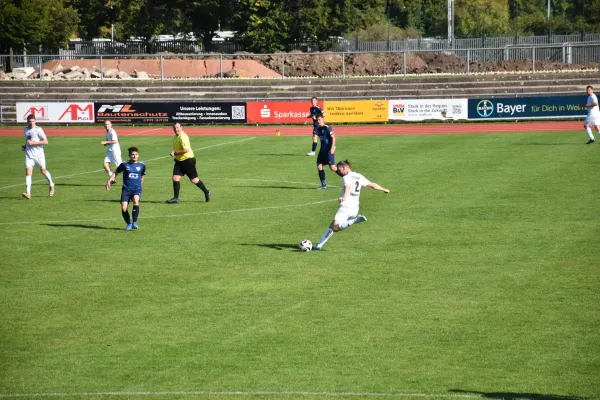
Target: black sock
column 135, row 212
column 176, row 187
column 126, row 217
column 322, row 177
column 314, row 146
column 200, row 184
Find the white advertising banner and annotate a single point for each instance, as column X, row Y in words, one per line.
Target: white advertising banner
column 420, row 110
column 56, row 112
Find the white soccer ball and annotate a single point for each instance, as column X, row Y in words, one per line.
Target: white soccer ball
column 305, row 245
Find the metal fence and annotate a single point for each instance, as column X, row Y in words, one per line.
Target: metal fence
column 532, row 58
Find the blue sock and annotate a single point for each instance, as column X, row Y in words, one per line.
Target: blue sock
column 126, row 217
column 314, row 146
column 135, row 212
column 322, row 178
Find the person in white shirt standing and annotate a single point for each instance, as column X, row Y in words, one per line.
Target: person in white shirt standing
column 35, row 139
column 593, row 117
column 347, row 213
column 113, row 150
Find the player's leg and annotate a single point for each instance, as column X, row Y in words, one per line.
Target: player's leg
column 587, row 126
column 135, row 212
column 107, row 160
column 321, row 172
column 351, row 221
column 126, row 196
column 328, row 233
column 28, row 172
column 331, row 159
column 177, row 174
column 192, row 173
column 314, row 144
column 41, row 162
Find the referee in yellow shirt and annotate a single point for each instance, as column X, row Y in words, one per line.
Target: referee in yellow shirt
column 185, row 164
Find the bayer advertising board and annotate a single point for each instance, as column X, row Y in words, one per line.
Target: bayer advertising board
column 527, row 107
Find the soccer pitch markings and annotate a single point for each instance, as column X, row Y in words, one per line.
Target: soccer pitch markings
column 144, row 161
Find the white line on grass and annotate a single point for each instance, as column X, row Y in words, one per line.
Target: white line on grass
column 250, row 393
column 66, row 221
column 145, row 161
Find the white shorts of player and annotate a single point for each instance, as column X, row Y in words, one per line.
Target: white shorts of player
column 592, row 120
column 345, row 213
column 113, row 157
column 31, row 162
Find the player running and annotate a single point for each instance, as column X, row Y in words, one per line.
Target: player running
column 347, row 213
column 327, row 151
column 314, row 113
column 113, row 149
column 133, row 179
column 593, row 116
column 35, row 139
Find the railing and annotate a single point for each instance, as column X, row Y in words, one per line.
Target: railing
column 290, row 65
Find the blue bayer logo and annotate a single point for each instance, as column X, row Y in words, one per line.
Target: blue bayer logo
column 485, row 108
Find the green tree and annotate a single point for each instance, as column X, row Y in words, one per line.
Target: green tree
column 481, row 17
column 205, row 17
column 147, row 18
column 262, row 25
column 35, row 25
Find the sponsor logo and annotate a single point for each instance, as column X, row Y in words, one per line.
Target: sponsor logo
column 126, row 108
column 485, row 108
column 265, row 112
column 398, row 110
column 78, row 114
column 40, row 113
column 125, row 111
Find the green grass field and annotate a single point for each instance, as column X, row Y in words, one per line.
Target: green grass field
column 477, row 277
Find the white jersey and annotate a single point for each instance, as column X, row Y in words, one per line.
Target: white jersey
column 35, row 134
column 593, row 111
column 356, row 182
column 111, row 135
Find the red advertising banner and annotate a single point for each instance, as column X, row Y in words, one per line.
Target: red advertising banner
column 279, row 112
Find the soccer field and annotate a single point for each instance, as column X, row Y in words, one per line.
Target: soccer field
column 476, row 277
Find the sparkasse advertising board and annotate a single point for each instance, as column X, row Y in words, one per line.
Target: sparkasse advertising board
column 56, row 112
column 275, row 112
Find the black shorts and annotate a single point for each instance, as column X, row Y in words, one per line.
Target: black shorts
column 326, row 158
column 127, row 195
column 186, row 167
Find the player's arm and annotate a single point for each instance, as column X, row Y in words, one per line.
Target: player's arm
column 345, row 194
column 332, row 151
column 113, row 177
column 41, row 142
column 107, row 142
column 375, row 186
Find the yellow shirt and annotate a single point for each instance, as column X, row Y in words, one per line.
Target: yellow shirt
column 182, row 141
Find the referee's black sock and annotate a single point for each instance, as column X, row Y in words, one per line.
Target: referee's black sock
column 126, row 217
column 176, row 187
column 135, row 212
column 314, row 146
column 200, row 184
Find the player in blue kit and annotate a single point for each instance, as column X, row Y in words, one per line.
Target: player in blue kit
column 313, row 114
column 327, row 151
column 133, row 179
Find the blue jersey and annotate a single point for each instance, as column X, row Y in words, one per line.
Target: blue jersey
column 132, row 175
column 315, row 111
column 325, row 134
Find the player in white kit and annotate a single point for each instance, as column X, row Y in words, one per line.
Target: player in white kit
column 35, row 139
column 113, row 149
column 347, row 213
column 593, row 117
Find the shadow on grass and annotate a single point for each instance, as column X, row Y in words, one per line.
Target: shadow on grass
column 283, row 155
column 515, row 396
column 82, row 226
column 274, row 246
column 276, row 187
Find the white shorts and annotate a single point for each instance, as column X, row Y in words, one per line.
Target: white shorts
column 592, row 120
column 344, row 214
column 113, row 157
column 31, row 162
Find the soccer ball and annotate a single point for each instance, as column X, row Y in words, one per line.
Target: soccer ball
column 305, row 245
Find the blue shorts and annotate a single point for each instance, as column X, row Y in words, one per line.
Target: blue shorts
column 315, row 126
column 326, row 158
column 127, row 195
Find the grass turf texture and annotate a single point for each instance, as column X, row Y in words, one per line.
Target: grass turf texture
column 477, row 276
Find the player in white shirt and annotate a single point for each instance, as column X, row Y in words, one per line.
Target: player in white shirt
column 35, row 139
column 113, row 150
column 593, row 117
column 347, row 213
